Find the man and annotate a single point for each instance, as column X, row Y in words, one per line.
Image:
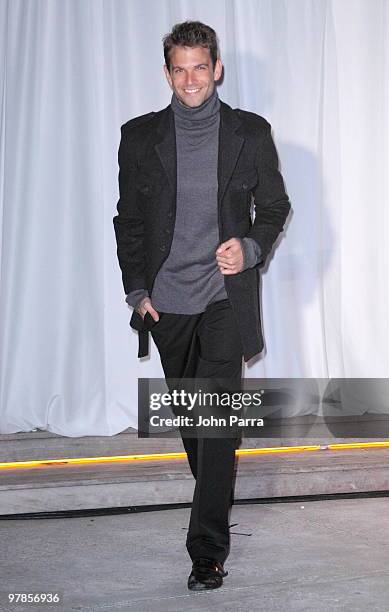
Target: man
column 189, row 253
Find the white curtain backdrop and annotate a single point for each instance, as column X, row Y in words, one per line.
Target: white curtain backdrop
column 71, row 72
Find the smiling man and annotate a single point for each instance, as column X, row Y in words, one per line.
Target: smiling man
column 192, row 74
column 190, row 251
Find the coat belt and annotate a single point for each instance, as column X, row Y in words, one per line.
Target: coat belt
column 143, row 343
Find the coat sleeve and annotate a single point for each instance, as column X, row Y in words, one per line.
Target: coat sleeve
column 271, row 202
column 128, row 223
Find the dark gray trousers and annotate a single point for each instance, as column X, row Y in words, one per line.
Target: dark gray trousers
column 206, row 346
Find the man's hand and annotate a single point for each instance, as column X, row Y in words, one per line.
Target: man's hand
column 229, row 256
column 146, row 306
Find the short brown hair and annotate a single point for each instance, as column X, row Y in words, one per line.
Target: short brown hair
column 191, row 34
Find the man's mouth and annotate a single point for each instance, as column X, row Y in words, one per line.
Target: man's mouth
column 192, row 91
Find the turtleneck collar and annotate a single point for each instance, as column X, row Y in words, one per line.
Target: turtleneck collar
column 205, row 114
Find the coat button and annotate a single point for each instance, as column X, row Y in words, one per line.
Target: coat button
column 244, row 185
column 170, row 214
column 162, row 248
column 167, row 231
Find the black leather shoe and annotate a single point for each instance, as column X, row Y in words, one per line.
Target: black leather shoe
column 206, row 574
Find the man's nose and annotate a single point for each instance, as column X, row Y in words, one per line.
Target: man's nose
column 190, row 78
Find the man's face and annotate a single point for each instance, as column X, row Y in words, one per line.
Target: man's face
column 192, row 76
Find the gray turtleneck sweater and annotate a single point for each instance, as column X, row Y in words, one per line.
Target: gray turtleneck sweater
column 189, row 278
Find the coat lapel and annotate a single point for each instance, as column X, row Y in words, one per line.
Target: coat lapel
column 166, row 147
column 230, row 146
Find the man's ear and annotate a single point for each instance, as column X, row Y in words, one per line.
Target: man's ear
column 218, row 70
column 168, row 76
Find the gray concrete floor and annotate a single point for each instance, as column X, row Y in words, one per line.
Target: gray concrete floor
column 327, row 555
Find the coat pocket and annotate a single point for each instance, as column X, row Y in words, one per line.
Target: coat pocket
column 244, row 181
column 240, row 192
column 148, row 185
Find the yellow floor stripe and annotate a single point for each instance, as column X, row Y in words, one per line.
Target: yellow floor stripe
column 359, row 445
column 168, row 456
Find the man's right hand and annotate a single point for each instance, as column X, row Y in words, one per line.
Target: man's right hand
column 144, row 306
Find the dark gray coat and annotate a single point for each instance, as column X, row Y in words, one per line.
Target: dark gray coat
column 144, row 225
